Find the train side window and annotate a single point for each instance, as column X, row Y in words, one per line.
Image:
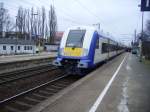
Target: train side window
column 97, row 44
column 105, row 48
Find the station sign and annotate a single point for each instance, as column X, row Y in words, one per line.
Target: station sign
column 145, row 5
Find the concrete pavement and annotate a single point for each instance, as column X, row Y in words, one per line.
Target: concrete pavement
column 14, row 58
column 128, row 92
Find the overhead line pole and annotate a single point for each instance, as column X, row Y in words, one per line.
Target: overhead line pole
column 142, row 36
column 99, row 26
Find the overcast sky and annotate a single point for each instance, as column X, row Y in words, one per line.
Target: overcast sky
column 118, row 17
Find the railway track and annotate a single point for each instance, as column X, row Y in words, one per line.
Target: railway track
column 26, row 100
column 25, row 73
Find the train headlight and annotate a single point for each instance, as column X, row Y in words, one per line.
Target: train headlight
column 85, row 52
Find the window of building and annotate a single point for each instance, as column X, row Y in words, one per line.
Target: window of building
column 25, row 48
column 4, row 47
column 12, row 47
column 30, row 47
column 18, row 47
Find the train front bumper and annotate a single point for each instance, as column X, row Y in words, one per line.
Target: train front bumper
column 80, row 62
column 83, row 64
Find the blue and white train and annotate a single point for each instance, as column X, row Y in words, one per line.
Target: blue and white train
column 83, row 48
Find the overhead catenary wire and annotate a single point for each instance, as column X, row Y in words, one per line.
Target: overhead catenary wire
column 87, row 9
column 66, row 16
column 72, row 21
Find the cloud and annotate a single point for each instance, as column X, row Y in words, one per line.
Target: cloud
column 116, row 16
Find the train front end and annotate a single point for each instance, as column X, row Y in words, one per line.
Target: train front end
column 74, row 49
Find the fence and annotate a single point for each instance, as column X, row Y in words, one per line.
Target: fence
column 146, row 49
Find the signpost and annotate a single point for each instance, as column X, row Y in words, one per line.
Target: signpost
column 145, row 5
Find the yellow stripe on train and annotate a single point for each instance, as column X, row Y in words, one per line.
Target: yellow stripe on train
column 72, row 51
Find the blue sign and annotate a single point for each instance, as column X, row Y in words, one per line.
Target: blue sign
column 145, row 5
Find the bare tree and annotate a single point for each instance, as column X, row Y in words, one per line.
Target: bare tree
column 6, row 23
column 28, row 23
column 46, row 33
column 148, row 27
column 9, row 26
column 39, row 23
column 43, row 21
column 20, row 21
column 52, row 24
column 24, row 30
column 2, row 14
column 31, row 23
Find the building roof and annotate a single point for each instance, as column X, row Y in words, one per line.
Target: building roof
column 16, row 41
column 59, row 34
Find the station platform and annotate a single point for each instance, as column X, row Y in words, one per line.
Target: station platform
column 121, row 85
column 15, row 58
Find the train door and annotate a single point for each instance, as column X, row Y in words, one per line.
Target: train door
column 97, row 51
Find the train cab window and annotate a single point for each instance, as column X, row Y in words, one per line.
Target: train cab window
column 97, row 44
column 75, row 38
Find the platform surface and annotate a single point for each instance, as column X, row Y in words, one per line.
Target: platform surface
column 14, row 58
column 129, row 90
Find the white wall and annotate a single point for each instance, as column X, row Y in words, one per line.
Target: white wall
column 16, row 50
column 51, row 47
column 8, row 49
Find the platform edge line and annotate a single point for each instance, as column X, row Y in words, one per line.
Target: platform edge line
column 103, row 93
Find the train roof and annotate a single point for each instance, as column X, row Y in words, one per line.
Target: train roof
column 101, row 35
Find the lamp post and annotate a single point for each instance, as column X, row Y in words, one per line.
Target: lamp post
column 140, row 43
column 142, row 31
column 16, row 35
column 34, row 22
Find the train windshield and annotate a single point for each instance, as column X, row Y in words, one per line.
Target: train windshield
column 75, row 38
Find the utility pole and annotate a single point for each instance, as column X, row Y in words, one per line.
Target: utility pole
column 135, row 38
column 16, row 35
column 34, row 27
column 98, row 25
column 142, row 30
column 142, row 35
column 33, row 23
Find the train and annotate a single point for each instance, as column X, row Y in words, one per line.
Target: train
column 83, row 48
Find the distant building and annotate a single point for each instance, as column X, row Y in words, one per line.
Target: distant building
column 13, row 34
column 58, row 37
column 16, row 46
column 145, row 47
column 51, row 47
column 54, row 47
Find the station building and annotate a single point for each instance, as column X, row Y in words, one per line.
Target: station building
column 54, row 47
column 16, row 46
